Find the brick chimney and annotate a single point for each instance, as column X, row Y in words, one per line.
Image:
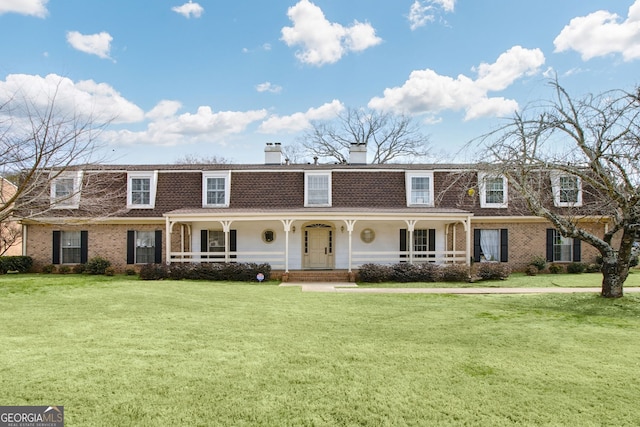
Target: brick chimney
column 358, row 153
column 273, row 153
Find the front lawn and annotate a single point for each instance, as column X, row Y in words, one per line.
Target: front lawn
column 119, row 351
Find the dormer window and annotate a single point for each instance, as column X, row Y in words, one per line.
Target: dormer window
column 141, row 189
column 317, row 186
column 65, row 190
column 567, row 190
column 493, row 191
column 216, row 189
column 419, row 188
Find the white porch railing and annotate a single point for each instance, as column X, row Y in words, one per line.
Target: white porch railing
column 393, row 257
column 277, row 259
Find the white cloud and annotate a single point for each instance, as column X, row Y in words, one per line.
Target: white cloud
column 25, row 7
column 268, row 87
column 167, row 128
column 426, row 92
column 424, row 11
column 602, row 33
column 94, row 44
column 324, row 42
column 300, row 121
column 189, row 9
column 99, row 101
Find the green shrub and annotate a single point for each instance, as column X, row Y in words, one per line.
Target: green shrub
column 556, row 268
column 79, row 268
column 21, row 264
column 532, row 270
column 633, row 262
column 455, row 273
column 594, row 268
column 576, row 268
column 109, row 271
column 493, row 271
column 374, row 273
column 64, row 269
column 154, row 272
column 49, row 268
column 242, row 272
column 97, row 265
column 130, row 272
column 539, row 262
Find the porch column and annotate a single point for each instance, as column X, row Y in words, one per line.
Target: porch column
column 287, row 227
column 350, row 223
column 411, row 225
column 167, row 241
column 226, row 227
column 467, row 225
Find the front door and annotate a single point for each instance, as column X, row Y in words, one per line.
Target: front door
column 318, row 246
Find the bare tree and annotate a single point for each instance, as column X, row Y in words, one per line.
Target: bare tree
column 43, row 142
column 388, row 137
column 194, row 159
column 596, row 140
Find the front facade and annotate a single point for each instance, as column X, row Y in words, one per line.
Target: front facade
column 297, row 217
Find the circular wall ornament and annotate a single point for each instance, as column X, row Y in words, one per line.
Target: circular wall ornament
column 268, row 236
column 367, row 235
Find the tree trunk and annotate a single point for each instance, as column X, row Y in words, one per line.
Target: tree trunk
column 613, row 276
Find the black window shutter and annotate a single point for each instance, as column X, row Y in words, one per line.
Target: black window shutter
column 403, row 242
column 233, row 242
column 84, row 247
column 550, row 235
column 158, row 248
column 504, row 245
column 576, row 249
column 131, row 247
column 56, row 247
column 204, row 242
column 476, row 245
column 431, row 243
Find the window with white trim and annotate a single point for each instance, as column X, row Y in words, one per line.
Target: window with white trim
column 493, row 191
column 317, row 189
column 141, row 189
column 216, row 189
column 65, row 190
column 567, row 190
column 419, row 188
column 562, row 248
column 70, row 247
column 145, row 247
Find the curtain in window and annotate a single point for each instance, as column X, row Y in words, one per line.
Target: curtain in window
column 318, row 190
column 490, row 244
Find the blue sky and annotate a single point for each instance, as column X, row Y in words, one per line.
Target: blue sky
column 222, row 78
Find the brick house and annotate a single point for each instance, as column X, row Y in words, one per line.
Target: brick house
column 10, row 239
column 298, row 217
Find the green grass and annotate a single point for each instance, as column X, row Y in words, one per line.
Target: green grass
column 519, row 280
column 119, row 351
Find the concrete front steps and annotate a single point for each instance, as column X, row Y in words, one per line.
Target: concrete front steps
column 318, row 276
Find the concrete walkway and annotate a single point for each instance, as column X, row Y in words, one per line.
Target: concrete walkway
column 353, row 288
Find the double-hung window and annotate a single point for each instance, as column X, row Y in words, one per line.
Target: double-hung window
column 493, row 191
column 419, row 188
column 491, row 245
column 317, row 187
column 215, row 189
column 70, row 247
column 65, row 190
column 144, row 246
column 561, row 248
column 567, row 190
column 141, row 189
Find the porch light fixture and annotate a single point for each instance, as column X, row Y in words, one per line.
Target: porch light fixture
column 342, row 229
column 293, row 229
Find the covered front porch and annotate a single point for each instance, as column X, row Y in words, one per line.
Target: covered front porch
column 318, row 239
